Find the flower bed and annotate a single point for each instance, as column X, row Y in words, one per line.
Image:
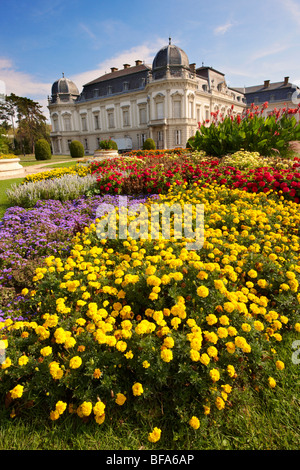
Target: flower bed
column 27, row 236
column 157, row 331
column 158, row 173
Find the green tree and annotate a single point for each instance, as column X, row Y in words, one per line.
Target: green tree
column 26, row 119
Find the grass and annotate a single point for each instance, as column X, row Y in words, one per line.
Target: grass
column 4, row 185
column 252, row 424
column 29, row 160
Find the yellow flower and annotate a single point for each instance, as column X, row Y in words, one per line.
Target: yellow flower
column 230, row 370
column 211, row 319
column 23, row 360
column 194, row 422
column 272, row 382
column 166, row 355
column 168, row 342
column 220, row 404
column 258, row 325
column 280, row 365
column 97, row 373
column 146, row 364
column 86, row 408
column 154, row 436
column 214, row 375
column 202, row 291
column 99, row 408
column 54, row 415
column 121, row 346
column 222, row 332
column 120, row 400
column 246, row 327
column 252, row 273
column 194, row 355
column 204, row 359
column 17, row 392
column 224, row 320
column 137, row 389
column 75, row 362
column 60, row 407
column 212, row 351
column 230, row 347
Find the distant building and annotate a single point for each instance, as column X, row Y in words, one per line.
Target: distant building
column 164, row 101
column 279, row 95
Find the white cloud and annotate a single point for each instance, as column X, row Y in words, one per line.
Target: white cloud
column 271, row 50
column 293, row 9
column 145, row 52
column 222, row 29
column 87, row 30
column 24, row 84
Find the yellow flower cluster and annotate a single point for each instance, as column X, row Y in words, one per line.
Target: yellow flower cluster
column 156, row 307
column 80, row 170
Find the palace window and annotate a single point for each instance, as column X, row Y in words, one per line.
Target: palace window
column 177, row 137
column 159, row 110
column 67, row 123
column 143, row 115
column 84, row 123
column 126, row 121
column 55, row 124
column 177, row 109
column 111, row 119
column 96, row 121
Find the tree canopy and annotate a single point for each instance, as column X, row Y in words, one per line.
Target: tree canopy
column 25, row 117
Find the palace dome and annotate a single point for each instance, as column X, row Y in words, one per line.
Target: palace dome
column 171, row 57
column 65, row 89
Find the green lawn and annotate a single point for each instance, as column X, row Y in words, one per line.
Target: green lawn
column 29, row 160
column 4, row 185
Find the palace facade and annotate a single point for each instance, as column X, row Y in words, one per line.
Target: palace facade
column 164, row 101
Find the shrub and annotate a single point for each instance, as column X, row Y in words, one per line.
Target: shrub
column 42, row 150
column 76, row 149
column 190, row 142
column 251, row 132
column 108, row 145
column 149, row 144
column 63, row 189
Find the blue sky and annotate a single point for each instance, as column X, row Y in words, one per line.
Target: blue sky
column 249, row 41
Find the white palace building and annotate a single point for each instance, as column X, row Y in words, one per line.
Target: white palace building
column 164, row 101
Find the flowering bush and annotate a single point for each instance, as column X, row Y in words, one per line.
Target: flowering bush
column 147, row 328
column 250, row 131
column 68, row 186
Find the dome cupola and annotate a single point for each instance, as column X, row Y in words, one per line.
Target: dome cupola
column 64, row 90
column 170, row 58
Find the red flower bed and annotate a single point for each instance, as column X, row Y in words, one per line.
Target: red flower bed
column 156, row 173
